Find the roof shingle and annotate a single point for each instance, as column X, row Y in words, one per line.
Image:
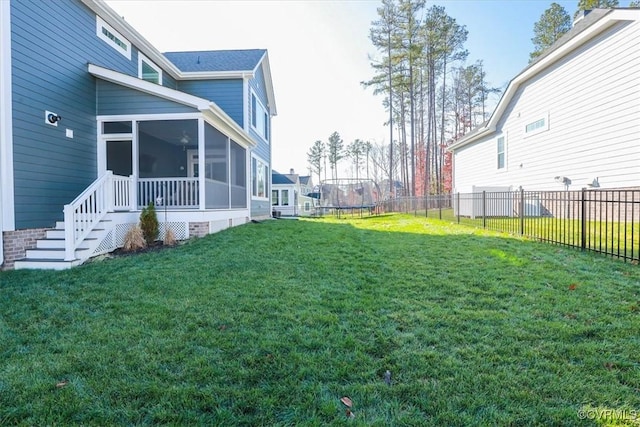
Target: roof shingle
column 216, row 60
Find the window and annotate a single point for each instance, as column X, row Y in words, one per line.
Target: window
column 285, row 197
column 113, row 38
column 259, row 173
column 259, row 117
column 274, row 198
column 117, row 127
column 307, row 206
column 537, row 126
column 501, row 152
column 148, row 71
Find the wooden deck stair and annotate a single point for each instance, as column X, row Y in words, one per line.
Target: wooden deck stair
column 49, row 253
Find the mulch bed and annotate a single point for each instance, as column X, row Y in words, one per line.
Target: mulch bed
column 157, row 246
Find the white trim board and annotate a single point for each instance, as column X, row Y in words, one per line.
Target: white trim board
column 7, row 218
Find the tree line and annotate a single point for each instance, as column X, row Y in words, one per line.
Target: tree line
column 431, row 94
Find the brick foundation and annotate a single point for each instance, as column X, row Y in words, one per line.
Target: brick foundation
column 198, row 229
column 17, row 242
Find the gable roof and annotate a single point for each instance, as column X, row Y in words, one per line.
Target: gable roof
column 278, row 178
column 237, row 61
column 217, row 60
column 304, row 180
column 593, row 24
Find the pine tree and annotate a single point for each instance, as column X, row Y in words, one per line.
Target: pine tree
column 336, row 153
column 595, row 4
column 553, row 24
column 315, row 156
column 634, row 3
column 356, row 151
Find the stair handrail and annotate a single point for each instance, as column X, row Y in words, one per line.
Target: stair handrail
column 86, row 211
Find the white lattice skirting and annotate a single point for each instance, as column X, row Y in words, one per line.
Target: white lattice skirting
column 115, row 237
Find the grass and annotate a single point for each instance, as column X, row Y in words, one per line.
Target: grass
column 608, row 236
column 272, row 323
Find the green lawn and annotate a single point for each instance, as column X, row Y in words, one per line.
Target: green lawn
column 611, row 237
column 272, row 323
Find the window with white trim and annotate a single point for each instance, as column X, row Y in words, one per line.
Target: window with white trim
column 259, row 173
column 537, row 126
column 307, row 206
column 148, row 71
column 285, row 198
column 274, row 198
column 501, row 152
column 259, row 117
column 113, row 38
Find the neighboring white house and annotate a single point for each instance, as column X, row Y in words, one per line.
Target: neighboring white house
column 289, row 195
column 569, row 120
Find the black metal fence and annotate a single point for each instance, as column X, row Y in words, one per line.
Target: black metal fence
column 603, row 221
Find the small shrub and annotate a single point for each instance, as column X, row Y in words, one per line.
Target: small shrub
column 169, row 238
column 134, row 239
column 149, row 224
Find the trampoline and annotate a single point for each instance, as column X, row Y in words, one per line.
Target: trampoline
column 352, row 195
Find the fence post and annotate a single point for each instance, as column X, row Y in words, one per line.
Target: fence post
column 583, row 215
column 484, row 209
column 521, row 211
column 426, row 206
column 458, row 207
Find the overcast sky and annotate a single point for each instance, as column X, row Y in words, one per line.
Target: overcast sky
column 320, row 52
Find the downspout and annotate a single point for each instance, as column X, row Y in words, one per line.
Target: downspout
column 7, row 220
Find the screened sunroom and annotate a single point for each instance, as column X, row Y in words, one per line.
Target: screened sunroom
column 163, row 159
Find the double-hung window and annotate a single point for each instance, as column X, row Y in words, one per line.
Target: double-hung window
column 501, row 152
column 259, row 173
column 259, row 117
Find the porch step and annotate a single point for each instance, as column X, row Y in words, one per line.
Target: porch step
column 54, row 254
column 59, row 243
column 49, row 252
column 57, row 234
column 44, row 264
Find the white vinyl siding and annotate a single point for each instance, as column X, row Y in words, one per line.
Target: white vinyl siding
column 596, row 122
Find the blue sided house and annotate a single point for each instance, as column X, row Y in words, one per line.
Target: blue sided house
column 96, row 123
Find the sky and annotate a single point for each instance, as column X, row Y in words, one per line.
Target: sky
column 320, row 52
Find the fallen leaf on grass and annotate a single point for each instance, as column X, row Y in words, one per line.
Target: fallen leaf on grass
column 347, row 402
column 222, row 327
column 350, row 414
column 572, row 287
column 62, row 383
column 609, row 365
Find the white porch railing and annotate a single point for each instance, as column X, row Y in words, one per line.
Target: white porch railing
column 107, row 193
column 175, row 192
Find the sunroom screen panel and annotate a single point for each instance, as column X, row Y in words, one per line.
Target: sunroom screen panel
column 216, row 168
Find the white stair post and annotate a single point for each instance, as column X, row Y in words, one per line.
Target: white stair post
column 69, row 234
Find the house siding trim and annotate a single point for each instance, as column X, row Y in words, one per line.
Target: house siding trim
column 7, row 215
